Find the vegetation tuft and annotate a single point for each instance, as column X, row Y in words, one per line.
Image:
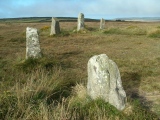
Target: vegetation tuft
column 154, row 33
column 113, row 31
column 18, row 40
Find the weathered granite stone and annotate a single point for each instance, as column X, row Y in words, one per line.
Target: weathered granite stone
column 104, row 81
column 55, row 27
column 80, row 25
column 102, row 23
column 32, row 43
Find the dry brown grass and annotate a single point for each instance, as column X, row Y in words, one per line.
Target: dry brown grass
column 137, row 55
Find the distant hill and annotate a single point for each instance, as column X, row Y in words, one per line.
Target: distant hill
column 43, row 19
column 74, row 19
column 143, row 19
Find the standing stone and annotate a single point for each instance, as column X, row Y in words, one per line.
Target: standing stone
column 104, row 81
column 102, row 23
column 80, row 25
column 55, row 27
column 32, row 43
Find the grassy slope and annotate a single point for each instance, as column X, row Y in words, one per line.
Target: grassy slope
column 30, row 89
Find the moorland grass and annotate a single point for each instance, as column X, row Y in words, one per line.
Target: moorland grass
column 54, row 87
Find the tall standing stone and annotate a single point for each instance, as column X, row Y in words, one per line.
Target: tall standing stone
column 102, row 23
column 104, row 81
column 80, row 25
column 55, row 27
column 32, row 43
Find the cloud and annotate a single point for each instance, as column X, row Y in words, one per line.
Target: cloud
column 93, row 8
column 125, row 7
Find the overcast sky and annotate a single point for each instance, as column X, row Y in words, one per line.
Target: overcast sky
column 107, row 9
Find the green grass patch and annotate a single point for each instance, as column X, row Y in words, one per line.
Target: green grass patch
column 94, row 109
column 88, row 28
column 44, row 63
column 18, row 40
column 113, row 31
column 34, row 64
column 63, row 33
column 7, row 101
column 1, row 37
column 154, row 33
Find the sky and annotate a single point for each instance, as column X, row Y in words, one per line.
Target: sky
column 107, row 9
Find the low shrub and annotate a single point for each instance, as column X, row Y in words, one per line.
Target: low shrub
column 44, row 28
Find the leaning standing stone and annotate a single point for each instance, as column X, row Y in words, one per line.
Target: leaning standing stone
column 80, row 25
column 102, row 24
column 32, row 43
column 55, row 27
column 104, row 81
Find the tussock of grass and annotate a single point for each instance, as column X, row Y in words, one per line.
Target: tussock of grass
column 155, row 33
column 138, row 31
column 113, row 31
column 28, row 98
column 42, row 97
column 18, row 40
column 44, row 63
column 28, row 64
column 85, row 108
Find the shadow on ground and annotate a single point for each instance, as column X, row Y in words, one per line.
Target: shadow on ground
column 131, row 83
